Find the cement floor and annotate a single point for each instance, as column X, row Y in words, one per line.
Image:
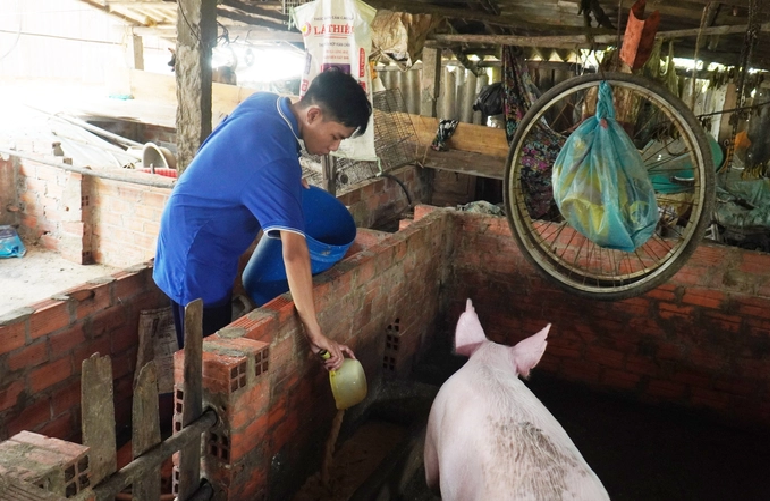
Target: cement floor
column 39, row 275
column 640, row 452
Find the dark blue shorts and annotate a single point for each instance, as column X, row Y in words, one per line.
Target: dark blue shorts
column 214, row 318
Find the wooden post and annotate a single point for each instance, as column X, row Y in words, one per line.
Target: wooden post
column 190, row 456
column 196, row 36
column 430, row 86
column 135, row 49
column 329, row 173
column 99, row 418
column 146, row 429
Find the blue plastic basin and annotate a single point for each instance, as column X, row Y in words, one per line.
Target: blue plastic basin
column 329, row 232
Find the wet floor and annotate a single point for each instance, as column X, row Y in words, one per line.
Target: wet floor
column 642, row 452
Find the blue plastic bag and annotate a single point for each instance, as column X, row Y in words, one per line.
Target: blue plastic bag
column 10, row 243
column 601, row 185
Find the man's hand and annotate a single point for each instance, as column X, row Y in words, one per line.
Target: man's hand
column 297, row 260
column 335, row 350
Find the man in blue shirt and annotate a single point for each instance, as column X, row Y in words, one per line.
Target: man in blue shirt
column 246, row 177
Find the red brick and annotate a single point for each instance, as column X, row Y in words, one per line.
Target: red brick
column 123, row 339
column 665, row 389
column 49, row 316
column 50, row 374
column 65, row 341
column 604, row 356
column 101, row 346
column 620, row 379
column 10, row 393
column 13, row 336
column 32, row 417
column 107, row 321
column 661, row 294
column 66, row 398
column 691, row 379
column 29, row 356
column 641, row 365
column 754, row 262
column 62, row 427
column 705, row 298
column 91, row 298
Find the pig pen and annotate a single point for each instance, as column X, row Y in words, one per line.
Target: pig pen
column 660, row 392
column 666, row 395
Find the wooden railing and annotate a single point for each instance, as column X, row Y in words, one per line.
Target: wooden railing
column 143, row 473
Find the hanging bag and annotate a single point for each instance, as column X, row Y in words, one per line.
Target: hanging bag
column 601, row 185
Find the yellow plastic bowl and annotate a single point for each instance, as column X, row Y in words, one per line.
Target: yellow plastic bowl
column 348, row 384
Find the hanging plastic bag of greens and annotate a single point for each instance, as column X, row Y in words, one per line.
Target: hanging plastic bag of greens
column 600, row 183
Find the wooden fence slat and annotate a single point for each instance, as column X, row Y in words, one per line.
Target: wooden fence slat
column 99, row 417
column 146, row 430
column 190, row 456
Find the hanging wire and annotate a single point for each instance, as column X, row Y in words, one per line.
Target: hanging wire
column 18, row 31
column 194, row 32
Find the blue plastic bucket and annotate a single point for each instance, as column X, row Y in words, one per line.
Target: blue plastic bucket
column 329, row 232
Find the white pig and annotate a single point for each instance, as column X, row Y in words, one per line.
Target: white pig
column 490, row 439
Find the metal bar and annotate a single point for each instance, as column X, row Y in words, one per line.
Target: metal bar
column 89, row 172
column 152, row 460
column 192, row 407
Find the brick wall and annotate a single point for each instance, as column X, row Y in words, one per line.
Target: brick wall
column 700, row 341
column 276, row 412
column 43, row 347
column 84, row 218
column 50, row 202
column 126, row 220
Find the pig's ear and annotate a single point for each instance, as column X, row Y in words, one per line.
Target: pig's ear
column 469, row 334
column 527, row 353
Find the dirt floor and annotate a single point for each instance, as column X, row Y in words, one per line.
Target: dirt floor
column 638, row 451
column 39, row 275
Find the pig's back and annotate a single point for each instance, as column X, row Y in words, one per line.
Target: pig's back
column 498, row 441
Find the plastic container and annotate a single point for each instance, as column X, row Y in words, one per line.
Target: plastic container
column 348, row 382
column 329, row 232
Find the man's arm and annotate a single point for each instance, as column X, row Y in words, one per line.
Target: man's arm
column 296, row 257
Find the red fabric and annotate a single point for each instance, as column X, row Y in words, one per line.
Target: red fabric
column 640, row 36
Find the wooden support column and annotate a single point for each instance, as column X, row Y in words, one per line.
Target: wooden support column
column 135, row 50
column 430, row 86
column 196, row 36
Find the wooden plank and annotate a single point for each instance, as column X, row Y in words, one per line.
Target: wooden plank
column 99, row 417
column 583, row 40
column 474, row 164
column 489, row 141
column 12, row 489
column 190, row 456
column 146, row 429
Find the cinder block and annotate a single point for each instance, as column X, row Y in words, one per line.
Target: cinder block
column 53, row 465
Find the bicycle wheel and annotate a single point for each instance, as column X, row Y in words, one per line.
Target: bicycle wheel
column 676, row 153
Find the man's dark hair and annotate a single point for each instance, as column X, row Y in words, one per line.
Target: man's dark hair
column 341, row 99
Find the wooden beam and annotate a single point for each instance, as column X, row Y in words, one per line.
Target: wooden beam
column 196, row 36
column 570, row 41
column 430, row 86
column 511, row 21
column 254, row 9
column 251, row 20
column 467, row 137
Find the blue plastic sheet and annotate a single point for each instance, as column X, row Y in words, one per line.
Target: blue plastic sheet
column 10, row 243
column 601, row 185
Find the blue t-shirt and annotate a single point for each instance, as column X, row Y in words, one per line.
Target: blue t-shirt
column 246, row 176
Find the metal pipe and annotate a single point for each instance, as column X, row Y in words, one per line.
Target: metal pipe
column 90, row 172
column 152, row 459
